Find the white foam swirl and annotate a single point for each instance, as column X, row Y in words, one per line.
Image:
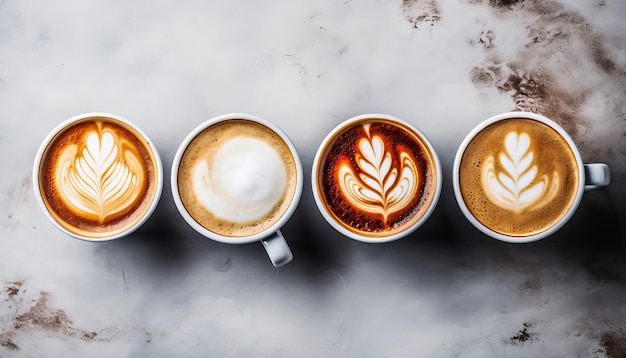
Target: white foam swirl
column 100, row 178
column 245, row 181
column 517, row 188
column 385, row 184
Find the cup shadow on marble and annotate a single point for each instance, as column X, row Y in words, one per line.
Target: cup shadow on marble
column 447, row 243
column 447, row 248
column 591, row 242
column 312, row 244
column 167, row 243
column 162, row 240
column 594, row 238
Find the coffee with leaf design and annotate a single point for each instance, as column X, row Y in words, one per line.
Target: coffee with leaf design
column 376, row 177
column 518, row 177
column 98, row 177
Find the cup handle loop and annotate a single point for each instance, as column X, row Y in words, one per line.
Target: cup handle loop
column 596, row 175
column 277, row 249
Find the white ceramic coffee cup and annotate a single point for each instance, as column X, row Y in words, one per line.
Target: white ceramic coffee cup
column 316, row 182
column 271, row 238
column 113, row 118
column 590, row 176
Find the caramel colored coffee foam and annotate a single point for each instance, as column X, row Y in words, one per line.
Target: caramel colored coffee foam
column 237, row 178
column 518, row 177
column 98, row 177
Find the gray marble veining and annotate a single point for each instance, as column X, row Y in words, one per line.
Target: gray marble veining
column 444, row 66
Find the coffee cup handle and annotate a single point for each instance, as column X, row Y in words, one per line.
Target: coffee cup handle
column 277, row 249
column 596, row 175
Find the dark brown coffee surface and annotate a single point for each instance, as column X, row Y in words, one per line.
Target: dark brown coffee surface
column 518, row 177
column 377, row 178
column 98, row 177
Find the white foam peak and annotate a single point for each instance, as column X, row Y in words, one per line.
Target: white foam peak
column 246, row 179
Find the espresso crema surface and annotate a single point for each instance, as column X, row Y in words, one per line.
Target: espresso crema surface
column 518, row 177
column 97, row 177
column 237, row 178
column 376, row 178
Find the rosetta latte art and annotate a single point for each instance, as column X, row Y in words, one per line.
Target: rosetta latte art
column 517, row 188
column 384, row 184
column 99, row 178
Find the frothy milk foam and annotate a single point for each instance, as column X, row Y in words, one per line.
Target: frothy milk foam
column 247, row 179
column 237, row 178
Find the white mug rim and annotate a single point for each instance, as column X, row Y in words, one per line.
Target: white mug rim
column 68, row 123
column 315, row 183
column 522, row 238
column 235, row 239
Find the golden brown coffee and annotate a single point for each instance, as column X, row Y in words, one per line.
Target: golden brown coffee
column 98, row 177
column 376, row 177
column 518, row 177
column 237, row 178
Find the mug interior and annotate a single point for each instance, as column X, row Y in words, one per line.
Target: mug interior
column 43, row 152
column 522, row 238
column 318, row 189
column 217, row 236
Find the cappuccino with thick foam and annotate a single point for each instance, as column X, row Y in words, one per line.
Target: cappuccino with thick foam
column 518, row 177
column 237, row 178
column 98, row 177
column 376, row 177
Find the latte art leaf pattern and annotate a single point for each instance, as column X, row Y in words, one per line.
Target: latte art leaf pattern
column 383, row 186
column 517, row 188
column 99, row 178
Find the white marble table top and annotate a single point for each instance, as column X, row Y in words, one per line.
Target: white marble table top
column 445, row 291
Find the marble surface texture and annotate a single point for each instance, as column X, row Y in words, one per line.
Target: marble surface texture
column 445, row 291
